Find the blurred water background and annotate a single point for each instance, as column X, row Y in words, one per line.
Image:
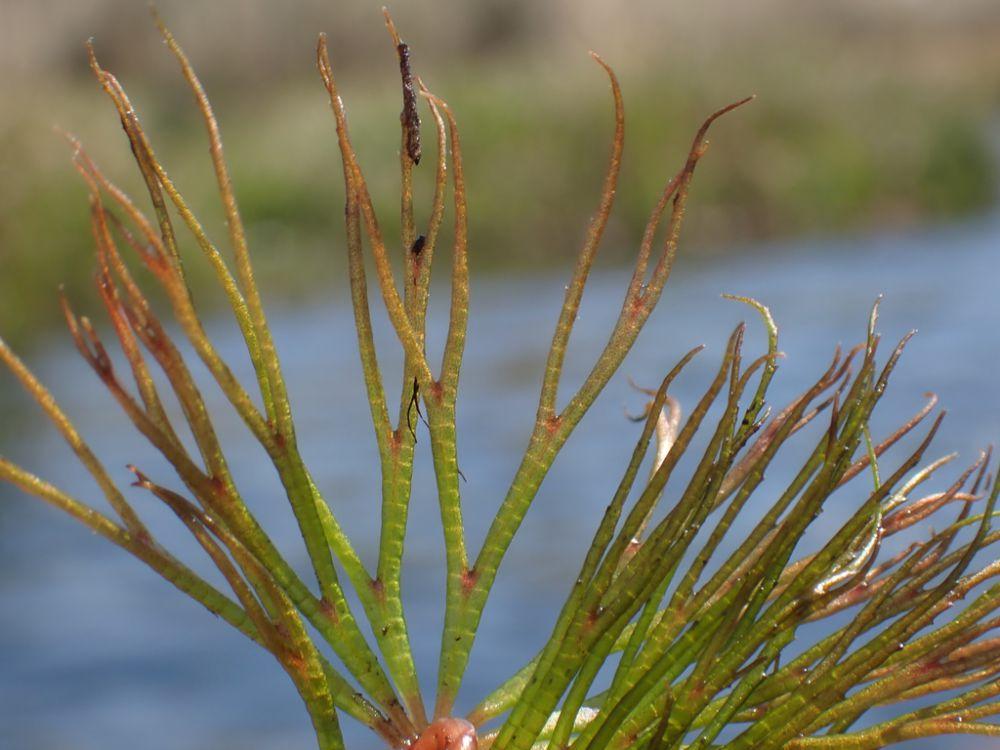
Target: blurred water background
column 865, row 167
column 97, row 652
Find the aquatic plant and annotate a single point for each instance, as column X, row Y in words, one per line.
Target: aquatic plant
column 670, row 636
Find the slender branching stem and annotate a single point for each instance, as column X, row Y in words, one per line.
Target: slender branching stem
column 700, row 606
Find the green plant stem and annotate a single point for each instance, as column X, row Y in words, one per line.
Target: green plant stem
column 550, row 434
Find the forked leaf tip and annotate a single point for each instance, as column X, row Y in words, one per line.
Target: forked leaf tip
column 728, row 108
column 158, row 20
column 92, row 57
column 599, row 60
column 139, row 476
column 390, row 26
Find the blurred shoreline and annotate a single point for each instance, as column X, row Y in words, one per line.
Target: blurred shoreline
column 868, row 118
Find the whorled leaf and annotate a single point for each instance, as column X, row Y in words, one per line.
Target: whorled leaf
column 697, row 615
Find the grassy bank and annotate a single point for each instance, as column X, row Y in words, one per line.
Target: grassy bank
column 850, row 131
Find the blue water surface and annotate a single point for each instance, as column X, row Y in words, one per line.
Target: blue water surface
column 97, row 652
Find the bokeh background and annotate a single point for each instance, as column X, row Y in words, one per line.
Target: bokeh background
column 869, row 116
column 867, row 164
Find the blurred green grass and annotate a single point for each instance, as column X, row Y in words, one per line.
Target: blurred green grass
column 862, row 122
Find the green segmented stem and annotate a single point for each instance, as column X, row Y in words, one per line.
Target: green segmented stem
column 700, row 619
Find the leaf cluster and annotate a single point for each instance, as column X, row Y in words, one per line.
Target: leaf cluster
column 704, row 646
